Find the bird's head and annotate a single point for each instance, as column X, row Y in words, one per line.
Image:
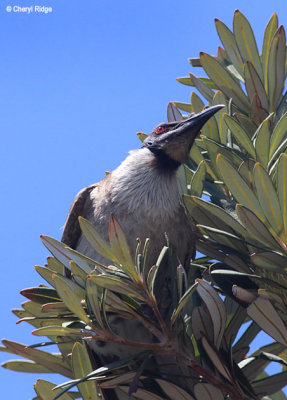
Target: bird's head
column 172, row 141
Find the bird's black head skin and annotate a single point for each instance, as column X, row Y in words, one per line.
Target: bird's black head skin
column 171, row 142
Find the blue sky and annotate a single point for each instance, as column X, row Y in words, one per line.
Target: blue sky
column 75, row 86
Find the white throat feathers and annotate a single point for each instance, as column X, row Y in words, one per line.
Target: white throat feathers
column 137, row 183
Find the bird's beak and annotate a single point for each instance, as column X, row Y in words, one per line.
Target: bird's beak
column 176, row 143
column 194, row 123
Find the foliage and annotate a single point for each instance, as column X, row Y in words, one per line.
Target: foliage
column 234, row 188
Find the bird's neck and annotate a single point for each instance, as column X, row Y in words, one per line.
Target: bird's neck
column 142, row 181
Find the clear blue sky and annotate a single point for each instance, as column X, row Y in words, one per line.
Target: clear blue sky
column 75, row 87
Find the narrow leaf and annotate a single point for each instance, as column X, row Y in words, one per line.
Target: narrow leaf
column 246, row 42
column 217, row 359
column 173, row 391
column 207, row 392
column 121, row 248
column 262, row 143
column 240, row 135
column 224, row 80
column 270, row 384
column 26, row 366
column 268, row 198
column 276, row 67
column 46, row 391
column 282, row 188
column 173, row 113
column 265, row 315
column 254, row 85
column 196, row 185
column 269, row 32
column 218, row 212
column 53, row 363
column 71, row 296
column 96, row 240
column 215, row 307
column 202, row 88
column 81, row 367
column 93, row 299
column 183, row 302
column 278, row 135
column 237, row 186
column 230, row 45
column 255, row 228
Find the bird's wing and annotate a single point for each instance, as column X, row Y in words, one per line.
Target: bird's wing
column 72, row 231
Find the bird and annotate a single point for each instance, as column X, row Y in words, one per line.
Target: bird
column 142, row 193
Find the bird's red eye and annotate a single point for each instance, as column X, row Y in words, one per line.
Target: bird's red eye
column 160, row 129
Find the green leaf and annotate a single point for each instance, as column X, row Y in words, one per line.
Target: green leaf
column 230, row 45
column 254, row 85
column 55, row 265
column 271, row 261
column 121, row 248
column 217, row 359
column 219, row 98
column 246, row 42
column 201, row 323
column 41, row 295
column 195, row 154
column 269, row 32
column 215, row 308
column 81, row 367
column 196, row 185
column 224, row 81
column 183, row 302
column 173, row 391
column 262, row 143
column 226, row 239
column 238, row 187
column 99, row 244
column 247, row 337
column 265, row 315
column 44, row 389
column 26, row 366
column 255, row 228
column 45, row 273
column 72, row 295
column 142, row 136
column 117, row 284
column 247, row 123
column 282, row 187
column 207, row 391
column 185, row 80
column 196, row 103
column 58, row 249
column 236, row 316
column 183, row 106
column 279, row 133
column 246, row 171
column 218, row 212
column 64, row 255
column 202, row 88
column 93, row 299
column 53, row 363
column 240, row 135
column 268, row 198
column 271, row 384
column 276, row 67
column 78, row 274
column 210, row 129
column 58, row 331
column 173, row 113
